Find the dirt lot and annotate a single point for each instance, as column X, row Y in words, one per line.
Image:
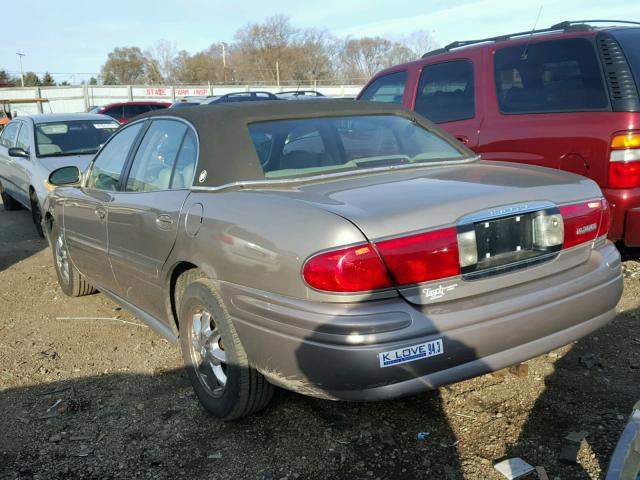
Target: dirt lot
column 87, row 391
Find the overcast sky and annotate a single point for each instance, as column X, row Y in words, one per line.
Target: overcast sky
column 68, row 37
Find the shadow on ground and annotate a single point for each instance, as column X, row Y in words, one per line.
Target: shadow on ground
column 18, row 237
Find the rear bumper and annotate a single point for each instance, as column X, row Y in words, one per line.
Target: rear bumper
column 332, row 351
column 625, row 215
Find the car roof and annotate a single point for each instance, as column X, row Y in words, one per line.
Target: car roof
column 65, row 117
column 227, row 153
column 137, row 102
column 566, row 29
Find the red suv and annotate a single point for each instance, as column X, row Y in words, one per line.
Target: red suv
column 125, row 111
column 565, row 97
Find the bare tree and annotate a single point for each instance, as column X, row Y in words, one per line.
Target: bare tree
column 420, row 42
column 162, row 56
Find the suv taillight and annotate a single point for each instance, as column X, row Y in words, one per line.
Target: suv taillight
column 584, row 222
column 624, row 161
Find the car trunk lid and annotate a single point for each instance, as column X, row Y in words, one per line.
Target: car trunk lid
column 410, row 203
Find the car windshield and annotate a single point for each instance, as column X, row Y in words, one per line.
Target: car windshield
column 629, row 39
column 75, row 137
column 300, row 147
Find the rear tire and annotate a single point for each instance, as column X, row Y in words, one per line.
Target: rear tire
column 7, row 201
column 36, row 214
column 71, row 281
column 216, row 363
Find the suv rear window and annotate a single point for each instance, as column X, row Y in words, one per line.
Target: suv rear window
column 445, row 92
column 388, row 89
column 295, row 148
column 629, row 40
column 554, row 76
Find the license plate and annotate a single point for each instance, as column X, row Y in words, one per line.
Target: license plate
column 411, row 354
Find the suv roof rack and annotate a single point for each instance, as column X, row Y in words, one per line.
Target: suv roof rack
column 566, row 26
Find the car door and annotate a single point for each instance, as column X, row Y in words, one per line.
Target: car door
column 446, row 95
column 143, row 216
column 7, row 164
column 23, row 166
column 86, row 209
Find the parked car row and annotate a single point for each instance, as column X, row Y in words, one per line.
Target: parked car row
column 354, row 250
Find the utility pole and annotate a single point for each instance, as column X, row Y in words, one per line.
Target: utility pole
column 224, row 62
column 20, row 55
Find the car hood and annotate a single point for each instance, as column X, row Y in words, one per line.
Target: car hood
column 401, row 201
column 53, row 163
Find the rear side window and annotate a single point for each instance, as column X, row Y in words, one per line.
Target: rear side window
column 388, row 89
column 108, row 165
column 629, row 40
column 554, row 76
column 446, row 92
column 9, row 133
column 131, row 111
column 114, row 112
column 153, row 163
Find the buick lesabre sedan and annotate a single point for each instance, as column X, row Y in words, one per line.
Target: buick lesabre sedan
column 348, row 251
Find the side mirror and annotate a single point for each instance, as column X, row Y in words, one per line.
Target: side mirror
column 18, row 152
column 65, row 176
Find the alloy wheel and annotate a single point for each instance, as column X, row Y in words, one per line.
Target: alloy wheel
column 207, row 352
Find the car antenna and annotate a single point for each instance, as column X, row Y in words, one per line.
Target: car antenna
column 525, row 52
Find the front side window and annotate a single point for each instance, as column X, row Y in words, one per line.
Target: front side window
column 9, row 134
column 77, row 137
column 23, row 138
column 553, row 76
column 387, row 89
column 154, row 161
column 446, row 92
column 107, row 167
column 292, row 148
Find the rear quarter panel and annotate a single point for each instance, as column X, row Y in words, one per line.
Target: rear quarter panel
column 258, row 241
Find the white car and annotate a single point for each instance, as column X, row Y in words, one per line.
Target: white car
column 32, row 146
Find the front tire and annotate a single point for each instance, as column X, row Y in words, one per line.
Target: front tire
column 7, row 200
column 71, row 281
column 216, row 363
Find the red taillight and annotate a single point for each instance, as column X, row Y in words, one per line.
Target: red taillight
column 583, row 222
column 624, row 161
column 352, row 269
column 414, row 259
column 624, row 174
column 423, row 257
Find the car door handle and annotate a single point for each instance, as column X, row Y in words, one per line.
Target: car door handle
column 164, row 221
column 100, row 213
column 463, row 139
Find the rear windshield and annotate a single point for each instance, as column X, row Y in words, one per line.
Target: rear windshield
column 552, row 76
column 629, row 40
column 332, row 144
column 77, row 137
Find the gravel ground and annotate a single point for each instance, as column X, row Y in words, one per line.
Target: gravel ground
column 88, row 391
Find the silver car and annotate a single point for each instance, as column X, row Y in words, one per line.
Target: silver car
column 32, row 146
column 345, row 250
